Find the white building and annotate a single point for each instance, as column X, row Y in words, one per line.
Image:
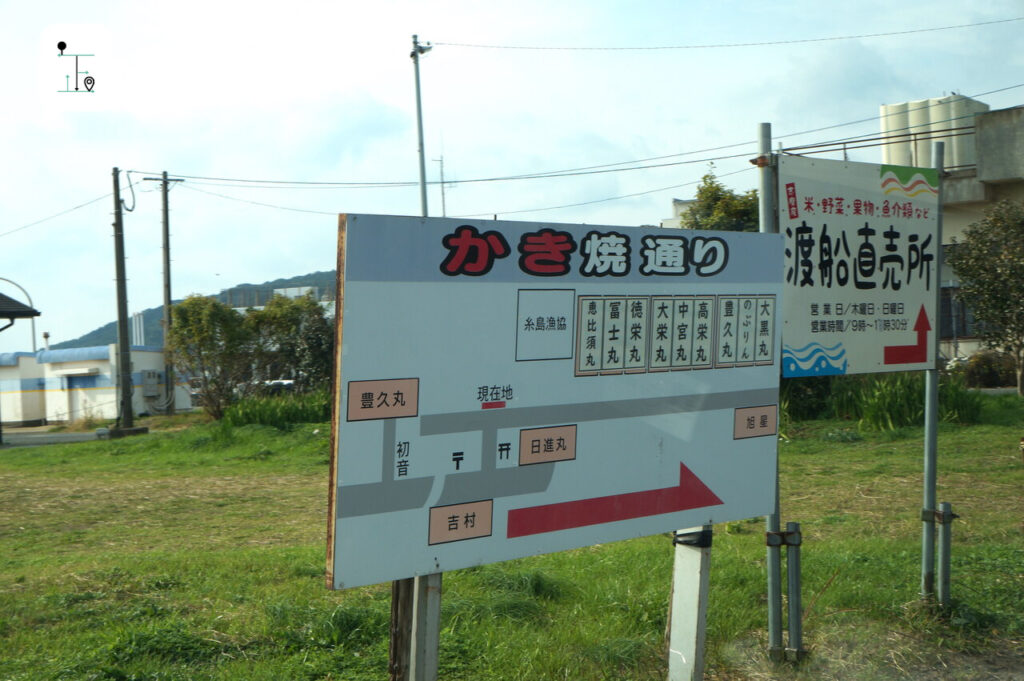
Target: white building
column 58, row 386
column 22, row 401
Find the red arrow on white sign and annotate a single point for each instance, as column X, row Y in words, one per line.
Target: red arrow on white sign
column 689, row 494
column 911, row 354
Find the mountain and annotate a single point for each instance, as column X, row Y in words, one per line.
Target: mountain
column 242, row 295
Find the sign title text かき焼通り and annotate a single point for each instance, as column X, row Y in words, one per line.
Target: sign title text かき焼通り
column 549, row 253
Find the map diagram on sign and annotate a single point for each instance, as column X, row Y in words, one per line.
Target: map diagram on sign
column 510, row 389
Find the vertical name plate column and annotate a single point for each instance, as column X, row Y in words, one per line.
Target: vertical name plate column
column 682, row 332
column 662, row 330
column 725, row 355
column 765, row 348
column 589, row 335
column 615, row 322
column 746, row 330
column 704, row 328
column 637, row 334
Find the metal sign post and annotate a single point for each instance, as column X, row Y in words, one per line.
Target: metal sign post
column 931, row 416
column 689, row 604
column 769, row 225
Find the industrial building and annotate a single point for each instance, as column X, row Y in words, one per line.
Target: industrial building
column 59, row 386
column 984, row 159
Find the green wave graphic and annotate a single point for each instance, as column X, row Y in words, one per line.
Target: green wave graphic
column 906, row 173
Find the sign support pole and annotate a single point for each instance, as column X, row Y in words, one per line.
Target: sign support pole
column 420, row 619
column 768, row 224
column 931, row 417
column 689, row 604
column 426, row 628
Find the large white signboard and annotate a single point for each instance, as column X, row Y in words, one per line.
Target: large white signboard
column 861, row 242
column 509, row 389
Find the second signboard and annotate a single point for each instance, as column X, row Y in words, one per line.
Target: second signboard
column 861, row 266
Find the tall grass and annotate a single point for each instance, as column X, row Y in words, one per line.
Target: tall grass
column 878, row 402
column 281, row 411
column 893, row 401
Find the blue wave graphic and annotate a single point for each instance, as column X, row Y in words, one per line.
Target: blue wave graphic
column 814, row 359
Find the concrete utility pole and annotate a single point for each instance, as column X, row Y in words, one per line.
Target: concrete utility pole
column 168, row 369
column 124, row 350
column 417, row 50
column 416, row 603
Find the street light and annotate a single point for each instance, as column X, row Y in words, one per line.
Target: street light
column 30, row 304
column 417, row 50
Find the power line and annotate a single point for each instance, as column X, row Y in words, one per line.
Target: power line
column 894, row 113
column 814, row 149
column 574, row 172
column 566, row 172
column 291, row 184
column 726, row 45
column 257, row 203
column 55, row 215
column 610, row 198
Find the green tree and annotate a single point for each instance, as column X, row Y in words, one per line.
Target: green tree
column 990, row 264
column 292, row 340
column 212, row 344
column 719, row 208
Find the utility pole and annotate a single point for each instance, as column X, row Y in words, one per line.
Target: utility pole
column 166, row 322
column 416, row 602
column 417, row 50
column 124, row 350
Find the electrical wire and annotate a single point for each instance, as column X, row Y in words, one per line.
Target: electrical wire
column 610, row 198
column 893, row 113
column 291, row 184
column 767, row 43
column 814, row 149
column 566, row 172
column 131, row 186
column 258, row 203
column 893, row 136
column 56, row 215
column 826, row 149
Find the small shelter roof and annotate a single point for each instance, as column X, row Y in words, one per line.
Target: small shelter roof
column 12, row 309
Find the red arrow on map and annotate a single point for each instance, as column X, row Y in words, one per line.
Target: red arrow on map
column 911, row 354
column 690, row 493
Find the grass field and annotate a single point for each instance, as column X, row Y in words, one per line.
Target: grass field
column 198, row 554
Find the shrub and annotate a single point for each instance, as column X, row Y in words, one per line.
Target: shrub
column 806, row 398
column 281, row 411
column 990, row 369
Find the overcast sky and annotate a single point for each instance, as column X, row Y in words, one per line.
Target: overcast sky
column 324, row 92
